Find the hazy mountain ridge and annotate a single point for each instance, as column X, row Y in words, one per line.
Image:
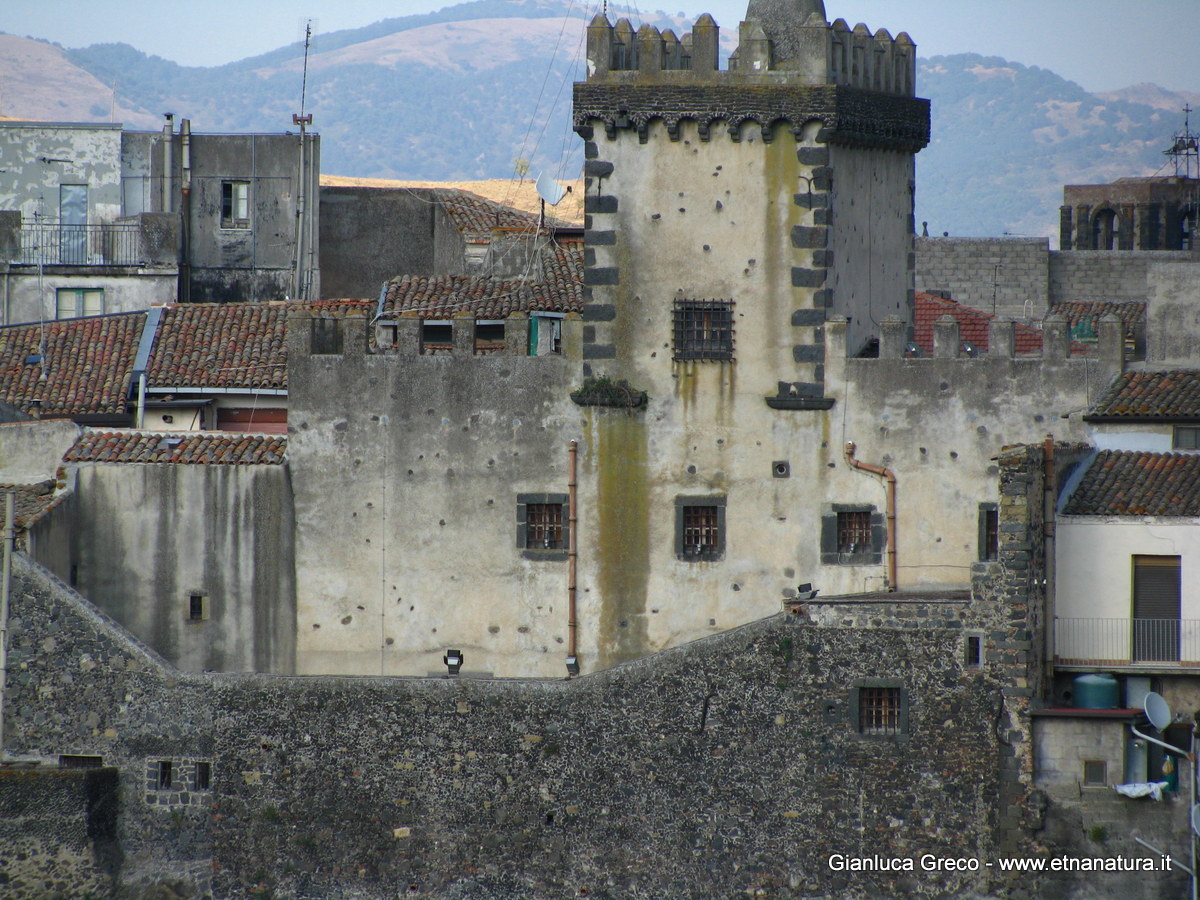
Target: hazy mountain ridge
column 1006, row 137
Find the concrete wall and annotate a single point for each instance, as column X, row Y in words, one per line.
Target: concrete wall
column 88, row 154
column 123, row 291
column 258, row 262
column 31, row 451
column 144, row 538
column 371, row 235
column 1103, row 275
column 1173, row 314
column 967, row 268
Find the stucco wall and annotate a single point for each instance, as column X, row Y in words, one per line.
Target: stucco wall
column 30, row 451
column 1173, row 314
column 146, row 537
column 406, row 471
column 1095, row 567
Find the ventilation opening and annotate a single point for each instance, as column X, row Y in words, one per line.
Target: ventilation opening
column 69, row 761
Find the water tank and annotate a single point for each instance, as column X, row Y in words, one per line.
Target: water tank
column 1096, row 692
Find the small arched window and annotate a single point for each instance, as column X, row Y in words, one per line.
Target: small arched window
column 1105, row 227
column 1187, row 224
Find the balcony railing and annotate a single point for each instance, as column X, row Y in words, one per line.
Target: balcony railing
column 1127, row 642
column 81, row 245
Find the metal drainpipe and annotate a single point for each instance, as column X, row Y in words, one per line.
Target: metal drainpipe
column 572, row 555
column 891, row 508
column 185, row 215
column 168, row 137
column 141, row 406
column 1049, row 534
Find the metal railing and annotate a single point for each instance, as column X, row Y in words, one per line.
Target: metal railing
column 81, row 245
column 1127, row 642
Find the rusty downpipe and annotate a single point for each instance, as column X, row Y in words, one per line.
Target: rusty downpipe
column 890, row 477
column 572, row 555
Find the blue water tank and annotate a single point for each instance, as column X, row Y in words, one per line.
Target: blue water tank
column 1096, row 692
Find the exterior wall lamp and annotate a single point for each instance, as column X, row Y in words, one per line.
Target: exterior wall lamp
column 453, row 660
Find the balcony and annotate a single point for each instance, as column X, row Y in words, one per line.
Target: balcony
column 81, row 245
column 1127, row 643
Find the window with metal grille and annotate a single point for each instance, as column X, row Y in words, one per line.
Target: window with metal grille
column 165, row 774
column 699, row 528
column 544, row 526
column 879, row 710
column 703, row 329
column 854, row 531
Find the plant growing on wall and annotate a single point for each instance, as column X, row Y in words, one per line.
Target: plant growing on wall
column 603, row 391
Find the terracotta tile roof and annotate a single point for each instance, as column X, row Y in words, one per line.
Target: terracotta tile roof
column 558, row 289
column 340, row 309
column 1084, row 315
column 88, row 364
column 220, row 345
column 476, row 217
column 31, row 501
column 1135, row 483
column 1151, row 395
column 973, row 325
column 196, row 447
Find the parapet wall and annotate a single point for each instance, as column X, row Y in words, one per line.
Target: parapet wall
column 1009, row 276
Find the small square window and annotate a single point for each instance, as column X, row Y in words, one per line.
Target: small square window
column 543, row 530
column 197, row 607
column 989, row 532
column 1095, row 772
column 165, row 774
column 203, row 779
column 1187, row 437
column 852, row 536
column 699, row 528
column 235, row 204
column 326, row 338
column 703, row 329
column 436, row 337
column 879, row 710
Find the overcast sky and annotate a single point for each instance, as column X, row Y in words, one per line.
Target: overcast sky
column 1101, row 44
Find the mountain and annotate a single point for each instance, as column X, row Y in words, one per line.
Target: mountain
column 480, row 89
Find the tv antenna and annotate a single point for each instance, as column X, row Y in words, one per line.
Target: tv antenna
column 308, row 30
column 1185, row 148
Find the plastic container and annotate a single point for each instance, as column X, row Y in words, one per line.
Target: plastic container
column 1096, row 692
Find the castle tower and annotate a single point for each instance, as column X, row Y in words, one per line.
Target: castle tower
column 729, row 214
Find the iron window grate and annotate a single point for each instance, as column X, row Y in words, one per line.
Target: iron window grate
column 879, row 710
column 701, row 530
column 703, row 329
column 544, row 526
column 854, row 531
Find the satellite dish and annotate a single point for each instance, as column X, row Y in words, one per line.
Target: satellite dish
column 550, row 190
column 1157, row 710
column 1196, row 819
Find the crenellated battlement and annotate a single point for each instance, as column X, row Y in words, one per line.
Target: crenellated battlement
column 791, row 66
column 770, row 49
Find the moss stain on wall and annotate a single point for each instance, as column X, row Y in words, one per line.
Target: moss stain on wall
column 623, row 541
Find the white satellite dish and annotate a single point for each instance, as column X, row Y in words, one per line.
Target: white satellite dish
column 1157, row 710
column 550, row 190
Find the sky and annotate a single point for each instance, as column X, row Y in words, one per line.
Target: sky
column 1100, row 44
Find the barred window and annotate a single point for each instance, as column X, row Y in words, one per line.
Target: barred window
column 989, row 531
column 699, row 528
column 544, row 526
column 854, row 531
column 703, row 329
column 879, row 710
